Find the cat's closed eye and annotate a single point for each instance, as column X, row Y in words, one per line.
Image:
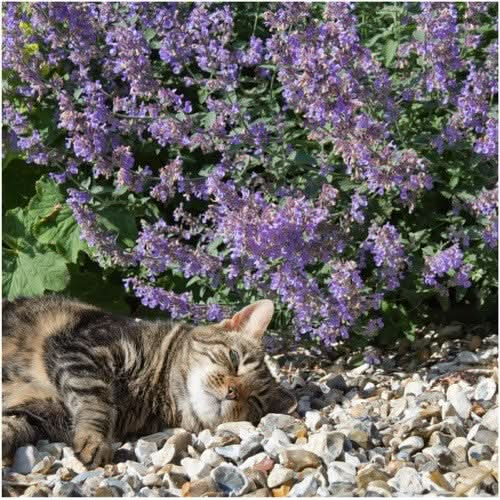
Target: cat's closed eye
column 235, row 358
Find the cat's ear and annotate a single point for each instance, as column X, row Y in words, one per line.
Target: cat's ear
column 282, row 401
column 251, row 320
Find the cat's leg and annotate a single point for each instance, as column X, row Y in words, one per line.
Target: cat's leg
column 93, row 416
column 31, row 421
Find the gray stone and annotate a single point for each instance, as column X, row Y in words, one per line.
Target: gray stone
column 83, row 476
column 122, row 486
column 412, row 444
column 230, row 480
column 159, row 438
column 368, row 389
column 276, row 443
column 441, row 454
column 479, row 434
column 195, row 469
column 135, row 468
column 479, row 452
column 341, row 472
column 273, row 421
column 144, row 450
column 458, row 447
column 232, row 451
column 439, row 438
column 37, row 490
column 55, row 449
column 485, row 389
column 44, row 466
column 415, row 387
column 458, row 398
column 314, row 420
column 90, row 486
column 254, row 460
column 204, row 437
column 490, row 419
column 148, row 492
column 250, row 446
column 25, row 459
column 467, row 357
column 280, row 475
column 306, row 488
column 241, row 429
column 407, row 481
column 327, row 445
column 152, row 479
column 337, row 382
column 211, row 457
column 67, row 490
column 164, row 456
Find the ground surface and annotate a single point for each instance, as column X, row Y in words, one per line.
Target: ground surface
column 423, row 422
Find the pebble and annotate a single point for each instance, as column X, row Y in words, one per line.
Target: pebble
column 250, row 446
column 144, row 449
column 277, row 442
column 467, row 357
column 164, row 456
column 273, row 421
column 370, row 473
column 306, row 488
column 415, row 387
column 478, row 453
column 232, row 452
column 211, row 457
column 490, row 419
column 412, row 444
column 407, row 481
column 230, row 480
column 280, row 475
column 195, row 469
column 459, row 400
column 314, row 420
column 485, row 390
column 298, row 460
column 67, row 490
column 327, row 445
column 341, row 472
column 242, row 429
column 25, row 459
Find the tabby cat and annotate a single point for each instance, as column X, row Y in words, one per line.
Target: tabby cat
column 75, row 373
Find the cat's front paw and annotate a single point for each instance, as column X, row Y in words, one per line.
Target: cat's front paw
column 92, row 448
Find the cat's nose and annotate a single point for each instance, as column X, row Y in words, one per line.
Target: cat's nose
column 232, row 392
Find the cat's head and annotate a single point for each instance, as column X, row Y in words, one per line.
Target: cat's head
column 228, row 379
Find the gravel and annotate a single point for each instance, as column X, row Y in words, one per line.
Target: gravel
column 407, row 427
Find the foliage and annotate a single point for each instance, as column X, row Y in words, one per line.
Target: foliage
column 339, row 159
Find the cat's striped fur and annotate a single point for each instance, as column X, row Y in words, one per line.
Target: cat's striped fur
column 74, row 373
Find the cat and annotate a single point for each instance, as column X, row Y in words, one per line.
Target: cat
column 78, row 374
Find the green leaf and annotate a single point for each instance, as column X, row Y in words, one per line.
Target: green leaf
column 390, row 49
column 121, row 222
column 149, row 34
column 419, row 35
column 303, row 158
column 47, row 201
column 209, row 119
column 28, row 269
column 63, row 232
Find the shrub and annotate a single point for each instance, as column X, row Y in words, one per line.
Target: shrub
column 339, row 159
